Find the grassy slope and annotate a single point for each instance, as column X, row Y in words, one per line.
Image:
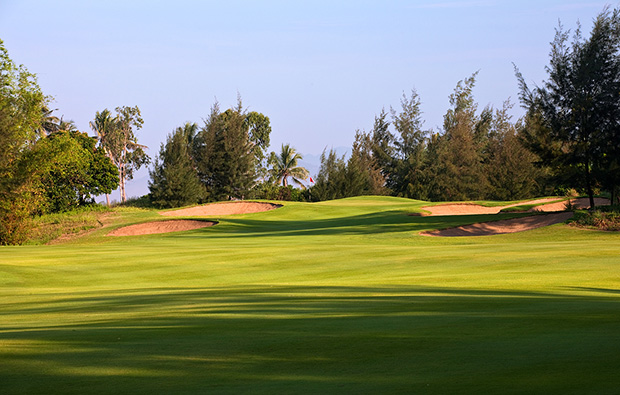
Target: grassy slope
column 337, row 296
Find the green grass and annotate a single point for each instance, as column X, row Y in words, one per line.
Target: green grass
column 332, row 297
column 50, row 227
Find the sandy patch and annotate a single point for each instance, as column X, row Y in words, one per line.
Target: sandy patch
column 580, row 203
column 216, row 209
column 504, row 226
column 154, row 227
column 471, row 209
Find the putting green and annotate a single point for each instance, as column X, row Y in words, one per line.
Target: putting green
column 333, row 297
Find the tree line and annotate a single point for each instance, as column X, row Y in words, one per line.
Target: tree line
column 569, row 138
column 226, row 158
column 46, row 164
column 478, row 155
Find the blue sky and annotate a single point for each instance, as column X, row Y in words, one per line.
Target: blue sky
column 319, row 69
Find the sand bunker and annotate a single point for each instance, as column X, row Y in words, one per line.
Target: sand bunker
column 504, row 226
column 470, row 208
column 580, row 203
column 216, row 209
column 150, row 228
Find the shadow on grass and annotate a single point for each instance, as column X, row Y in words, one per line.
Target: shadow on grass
column 373, row 223
column 305, row 339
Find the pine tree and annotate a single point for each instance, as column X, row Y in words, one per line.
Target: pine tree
column 509, row 166
column 408, row 177
column 224, row 154
column 458, row 173
column 573, row 117
column 174, row 179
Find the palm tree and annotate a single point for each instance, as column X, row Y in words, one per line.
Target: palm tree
column 49, row 122
column 103, row 126
column 284, row 166
column 67, row 126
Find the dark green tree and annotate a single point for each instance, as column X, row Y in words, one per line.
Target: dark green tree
column 384, row 149
column 225, row 155
column 364, row 173
column 331, row 181
column 408, row 178
column 359, row 175
column 230, row 151
column 458, row 173
column 573, row 117
column 174, row 179
column 510, row 167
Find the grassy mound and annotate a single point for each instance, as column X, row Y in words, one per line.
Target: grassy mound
column 63, row 225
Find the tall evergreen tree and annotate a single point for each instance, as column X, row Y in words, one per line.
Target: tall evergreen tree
column 384, row 149
column 225, row 155
column 331, row 181
column 510, row 167
column 174, row 179
column 410, row 144
column 573, row 118
column 362, row 166
column 458, row 173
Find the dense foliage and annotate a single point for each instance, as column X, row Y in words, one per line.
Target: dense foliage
column 46, row 164
column 573, row 120
column 603, row 218
column 220, row 161
column 21, row 107
column 477, row 155
column 77, row 171
column 569, row 138
column 174, row 180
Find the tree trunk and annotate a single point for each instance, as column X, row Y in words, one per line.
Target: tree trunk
column 107, row 199
column 589, row 186
column 122, row 182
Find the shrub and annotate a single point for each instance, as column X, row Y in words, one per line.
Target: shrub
column 603, row 218
column 269, row 191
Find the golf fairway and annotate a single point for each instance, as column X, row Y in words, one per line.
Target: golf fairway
column 333, row 297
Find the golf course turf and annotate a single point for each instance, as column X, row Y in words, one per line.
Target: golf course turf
column 334, row 297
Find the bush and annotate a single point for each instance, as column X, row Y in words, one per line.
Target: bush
column 139, row 202
column 603, row 218
column 269, row 191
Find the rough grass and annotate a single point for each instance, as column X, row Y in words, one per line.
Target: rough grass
column 603, row 218
column 50, row 227
column 331, row 297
